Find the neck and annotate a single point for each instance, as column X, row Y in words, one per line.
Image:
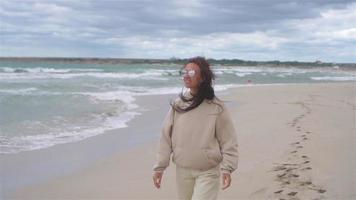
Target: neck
column 193, row 91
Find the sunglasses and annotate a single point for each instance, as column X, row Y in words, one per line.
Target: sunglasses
column 191, row 72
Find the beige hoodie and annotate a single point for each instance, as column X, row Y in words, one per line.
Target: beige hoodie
column 200, row 139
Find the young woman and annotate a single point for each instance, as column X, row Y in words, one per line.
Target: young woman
column 200, row 135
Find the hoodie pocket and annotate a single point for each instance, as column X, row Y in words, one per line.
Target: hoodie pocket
column 213, row 156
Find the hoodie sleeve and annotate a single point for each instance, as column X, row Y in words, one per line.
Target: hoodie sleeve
column 226, row 135
column 165, row 143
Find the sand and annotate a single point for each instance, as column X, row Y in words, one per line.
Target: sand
column 295, row 142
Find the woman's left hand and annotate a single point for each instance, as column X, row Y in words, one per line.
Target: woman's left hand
column 226, row 179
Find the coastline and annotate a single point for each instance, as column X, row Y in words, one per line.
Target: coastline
column 267, row 120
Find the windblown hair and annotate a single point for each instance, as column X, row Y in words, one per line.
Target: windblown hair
column 205, row 91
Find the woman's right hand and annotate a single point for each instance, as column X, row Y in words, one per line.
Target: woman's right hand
column 157, row 178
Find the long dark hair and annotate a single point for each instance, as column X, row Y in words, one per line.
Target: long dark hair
column 205, row 91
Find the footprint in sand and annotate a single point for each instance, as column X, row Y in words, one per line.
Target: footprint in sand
column 306, row 183
column 278, row 192
column 289, row 164
column 279, row 168
column 307, row 168
column 292, row 193
column 290, row 169
column 304, row 137
column 321, row 191
column 293, row 175
column 286, row 183
column 281, row 175
column 299, row 147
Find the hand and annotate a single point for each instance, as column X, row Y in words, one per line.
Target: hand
column 157, row 178
column 226, row 179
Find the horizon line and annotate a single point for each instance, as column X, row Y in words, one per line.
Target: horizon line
column 172, row 58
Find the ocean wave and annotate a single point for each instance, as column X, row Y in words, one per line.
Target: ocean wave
column 285, row 74
column 61, row 130
column 334, row 78
column 46, row 70
column 261, row 70
column 75, row 72
column 21, row 91
column 126, row 97
column 164, row 72
column 19, row 76
column 240, row 74
column 35, row 142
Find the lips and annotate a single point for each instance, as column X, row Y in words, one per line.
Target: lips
column 186, row 80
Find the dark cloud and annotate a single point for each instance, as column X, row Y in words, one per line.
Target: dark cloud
column 150, row 17
column 116, row 25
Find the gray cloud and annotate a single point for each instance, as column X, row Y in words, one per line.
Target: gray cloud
column 147, row 28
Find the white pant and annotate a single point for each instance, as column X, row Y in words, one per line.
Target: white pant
column 198, row 184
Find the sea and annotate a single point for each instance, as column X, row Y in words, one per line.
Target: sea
column 45, row 103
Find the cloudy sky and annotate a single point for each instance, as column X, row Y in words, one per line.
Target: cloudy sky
column 303, row 30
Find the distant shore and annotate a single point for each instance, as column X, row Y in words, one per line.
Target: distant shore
column 295, row 142
column 229, row 62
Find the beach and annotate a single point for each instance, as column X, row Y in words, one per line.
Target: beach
column 296, row 141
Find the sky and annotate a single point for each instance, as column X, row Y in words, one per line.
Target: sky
column 261, row 30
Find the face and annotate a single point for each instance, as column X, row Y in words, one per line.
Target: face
column 192, row 77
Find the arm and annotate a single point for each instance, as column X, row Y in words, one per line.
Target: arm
column 226, row 135
column 165, row 143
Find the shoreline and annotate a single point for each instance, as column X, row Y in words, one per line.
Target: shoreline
column 26, row 168
column 219, row 89
column 248, row 106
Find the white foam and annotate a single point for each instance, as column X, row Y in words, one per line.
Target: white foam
column 30, row 76
column 163, row 90
column 242, row 74
column 238, row 70
column 163, row 72
column 21, row 91
column 118, row 95
column 34, row 142
column 46, row 70
column 145, row 75
column 334, row 78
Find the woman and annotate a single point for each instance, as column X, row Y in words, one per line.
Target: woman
column 200, row 135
